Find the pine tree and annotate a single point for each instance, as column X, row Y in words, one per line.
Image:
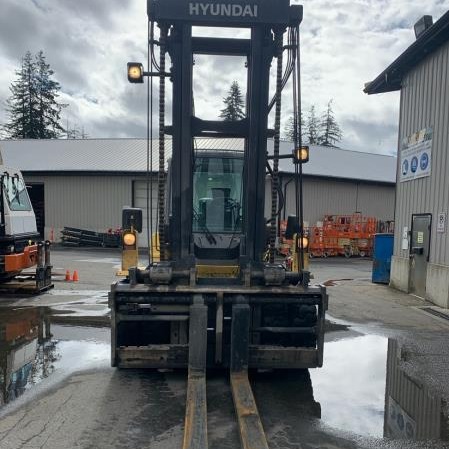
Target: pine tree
column 330, row 132
column 234, row 104
column 49, row 108
column 312, row 127
column 289, row 129
column 33, row 109
column 21, row 106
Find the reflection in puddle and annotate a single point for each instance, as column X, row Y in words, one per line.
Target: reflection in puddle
column 351, row 384
column 412, row 410
column 364, row 389
column 32, row 351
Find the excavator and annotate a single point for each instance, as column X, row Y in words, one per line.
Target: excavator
column 214, row 295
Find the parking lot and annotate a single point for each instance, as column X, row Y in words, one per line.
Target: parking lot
column 59, row 390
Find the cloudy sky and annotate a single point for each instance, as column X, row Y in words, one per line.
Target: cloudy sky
column 88, row 42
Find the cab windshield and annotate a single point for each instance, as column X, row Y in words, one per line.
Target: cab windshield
column 217, row 194
column 16, row 193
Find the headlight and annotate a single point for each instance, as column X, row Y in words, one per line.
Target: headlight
column 301, row 155
column 129, row 239
column 135, row 72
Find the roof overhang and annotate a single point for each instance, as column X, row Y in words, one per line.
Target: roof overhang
column 391, row 78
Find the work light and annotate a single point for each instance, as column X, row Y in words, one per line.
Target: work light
column 135, row 72
column 301, row 155
column 305, row 242
column 129, row 238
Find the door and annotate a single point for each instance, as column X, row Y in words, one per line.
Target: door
column 37, row 197
column 419, row 253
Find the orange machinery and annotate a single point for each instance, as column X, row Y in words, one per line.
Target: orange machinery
column 339, row 235
column 344, row 235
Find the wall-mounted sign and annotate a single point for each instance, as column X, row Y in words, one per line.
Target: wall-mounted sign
column 416, row 155
column 441, row 223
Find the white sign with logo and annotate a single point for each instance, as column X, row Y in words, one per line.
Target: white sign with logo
column 416, row 155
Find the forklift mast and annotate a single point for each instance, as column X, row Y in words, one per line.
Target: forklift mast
column 267, row 22
column 241, row 312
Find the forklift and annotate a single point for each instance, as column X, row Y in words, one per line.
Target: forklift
column 215, row 297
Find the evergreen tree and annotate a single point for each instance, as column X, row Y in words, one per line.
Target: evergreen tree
column 49, row 108
column 330, row 132
column 289, row 129
column 33, row 109
column 21, row 106
column 234, row 104
column 312, row 127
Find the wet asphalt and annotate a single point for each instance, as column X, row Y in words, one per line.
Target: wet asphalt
column 384, row 383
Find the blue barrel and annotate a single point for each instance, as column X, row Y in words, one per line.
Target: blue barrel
column 383, row 250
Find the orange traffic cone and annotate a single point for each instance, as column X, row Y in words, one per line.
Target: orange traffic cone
column 67, row 275
column 75, row 277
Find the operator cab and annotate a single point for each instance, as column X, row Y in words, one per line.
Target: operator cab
column 217, row 205
column 17, row 220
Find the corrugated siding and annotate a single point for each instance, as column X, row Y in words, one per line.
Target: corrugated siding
column 424, row 102
column 140, row 200
column 376, row 200
column 92, row 202
column 95, row 202
column 334, row 197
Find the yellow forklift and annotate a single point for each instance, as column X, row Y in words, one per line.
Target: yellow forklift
column 215, row 296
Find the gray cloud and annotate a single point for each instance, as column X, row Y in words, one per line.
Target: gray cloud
column 344, row 44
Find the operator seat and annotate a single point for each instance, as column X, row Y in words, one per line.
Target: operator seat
column 215, row 209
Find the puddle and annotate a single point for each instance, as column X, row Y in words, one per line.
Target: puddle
column 351, row 385
column 36, row 354
column 85, row 303
column 362, row 391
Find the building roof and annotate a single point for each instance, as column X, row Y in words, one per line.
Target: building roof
column 130, row 156
column 429, row 41
column 333, row 162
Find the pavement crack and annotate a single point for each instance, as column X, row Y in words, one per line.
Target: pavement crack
column 43, row 430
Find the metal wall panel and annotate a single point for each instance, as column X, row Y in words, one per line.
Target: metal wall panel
column 140, row 200
column 324, row 196
column 95, row 202
column 91, row 202
column 424, row 102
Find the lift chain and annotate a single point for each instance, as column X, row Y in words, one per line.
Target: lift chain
column 277, row 126
column 161, row 174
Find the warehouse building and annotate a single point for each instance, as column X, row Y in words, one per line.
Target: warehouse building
column 420, row 262
column 85, row 183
